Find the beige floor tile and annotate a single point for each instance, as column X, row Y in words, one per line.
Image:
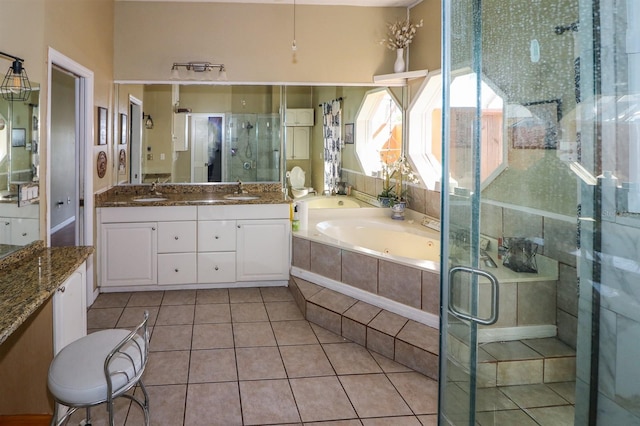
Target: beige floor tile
column 389, row 365
column 353, row 422
column 510, row 351
column 267, row 402
column 395, row 421
column 362, row 312
column 321, row 398
column 171, row 338
column 421, row 335
column 167, row 368
column 567, row 390
column 179, row 297
column 132, row 316
column 283, row 311
column 216, row 365
column 351, row 358
column 520, row 372
column 260, row 363
column 146, row 298
column 245, row 295
column 505, row 418
column 214, row 295
column 531, row 396
column 492, row 399
column 248, row 312
column 430, row 420
column 388, row 323
column 293, row 333
column 212, row 313
column 305, row 361
column 251, row 334
column 213, row 404
column 103, row 318
column 276, row 294
column 326, row 336
column 561, row 369
column 111, row 300
column 373, row 395
column 175, row 314
column 553, row 416
column 418, row 391
column 166, row 406
column 549, row 347
column 212, row 336
column 333, row 301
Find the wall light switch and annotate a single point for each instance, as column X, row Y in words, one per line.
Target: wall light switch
column 162, row 156
column 149, row 156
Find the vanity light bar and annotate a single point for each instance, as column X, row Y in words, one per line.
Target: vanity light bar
column 197, row 67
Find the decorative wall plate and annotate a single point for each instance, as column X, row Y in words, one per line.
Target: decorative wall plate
column 102, row 164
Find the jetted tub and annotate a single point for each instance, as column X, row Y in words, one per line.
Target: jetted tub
column 383, row 236
column 330, row 202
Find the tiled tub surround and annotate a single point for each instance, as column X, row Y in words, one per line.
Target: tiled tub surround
column 410, row 287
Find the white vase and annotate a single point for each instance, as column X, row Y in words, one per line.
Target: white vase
column 398, row 65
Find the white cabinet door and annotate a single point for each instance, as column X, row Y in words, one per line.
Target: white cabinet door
column 217, row 267
column 5, row 230
column 24, row 231
column 216, row 235
column 70, row 310
column 128, row 254
column 299, row 117
column 297, row 143
column 177, row 237
column 176, row 268
column 263, row 250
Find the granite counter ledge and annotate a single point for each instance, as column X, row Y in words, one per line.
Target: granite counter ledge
column 27, row 284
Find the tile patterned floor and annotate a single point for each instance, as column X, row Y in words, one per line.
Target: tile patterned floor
column 248, row 357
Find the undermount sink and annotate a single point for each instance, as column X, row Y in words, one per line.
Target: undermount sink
column 149, row 199
column 241, row 197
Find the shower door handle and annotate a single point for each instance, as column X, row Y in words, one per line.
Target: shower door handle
column 495, row 293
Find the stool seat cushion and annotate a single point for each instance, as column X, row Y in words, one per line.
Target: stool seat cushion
column 76, row 374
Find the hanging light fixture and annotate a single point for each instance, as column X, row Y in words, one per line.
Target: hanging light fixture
column 148, row 121
column 198, row 70
column 16, row 85
column 294, row 46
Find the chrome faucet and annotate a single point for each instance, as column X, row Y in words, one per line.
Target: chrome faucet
column 240, row 189
column 154, row 185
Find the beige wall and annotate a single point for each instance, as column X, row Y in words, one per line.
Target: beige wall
column 335, row 43
column 424, row 51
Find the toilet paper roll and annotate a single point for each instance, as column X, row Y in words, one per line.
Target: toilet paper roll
column 303, row 214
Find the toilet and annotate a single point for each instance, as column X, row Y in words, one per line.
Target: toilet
column 296, row 180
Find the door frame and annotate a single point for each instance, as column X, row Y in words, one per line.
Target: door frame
column 84, row 145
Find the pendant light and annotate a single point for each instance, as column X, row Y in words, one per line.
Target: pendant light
column 16, row 85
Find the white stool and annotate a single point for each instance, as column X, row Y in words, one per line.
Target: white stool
column 99, row 368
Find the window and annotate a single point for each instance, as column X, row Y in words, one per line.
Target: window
column 378, row 130
column 425, row 129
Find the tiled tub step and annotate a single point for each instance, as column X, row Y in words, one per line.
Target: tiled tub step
column 523, row 362
column 406, row 341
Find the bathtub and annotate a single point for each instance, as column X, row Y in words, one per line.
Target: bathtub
column 382, row 236
column 332, row 202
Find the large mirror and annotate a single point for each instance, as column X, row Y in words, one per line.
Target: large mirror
column 197, row 133
column 19, row 160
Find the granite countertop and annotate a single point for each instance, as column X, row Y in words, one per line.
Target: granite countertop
column 189, row 195
column 29, row 277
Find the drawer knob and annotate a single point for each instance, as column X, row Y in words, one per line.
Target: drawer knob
column 62, row 289
column 216, row 237
column 216, row 268
column 176, row 270
column 153, row 229
column 176, row 237
column 24, row 234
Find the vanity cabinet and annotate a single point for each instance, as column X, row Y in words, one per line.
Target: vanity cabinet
column 70, row 310
column 194, row 247
column 19, row 225
column 297, row 139
column 299, row 117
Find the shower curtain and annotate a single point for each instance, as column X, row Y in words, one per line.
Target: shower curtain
column 333, row 144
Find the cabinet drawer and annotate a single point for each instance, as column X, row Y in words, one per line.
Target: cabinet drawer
column 216, row 267
column 217, row 235
column 176, row 237
column 179, row 268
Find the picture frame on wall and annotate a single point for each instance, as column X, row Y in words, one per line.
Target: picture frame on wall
column 124, row 129
column 102, row 126
column 349, row 130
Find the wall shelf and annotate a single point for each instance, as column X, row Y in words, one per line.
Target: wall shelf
column 399, row 78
